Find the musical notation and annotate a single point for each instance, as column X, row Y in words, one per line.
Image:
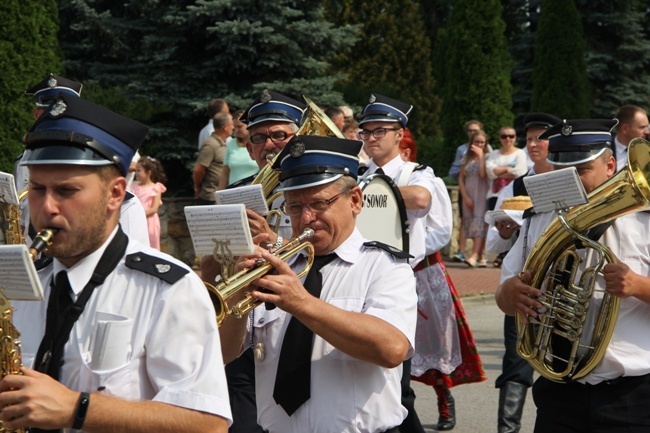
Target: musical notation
column 252, row 196
column 18, row 277
column 558, row 189
column 8, row 192
column 212, row 225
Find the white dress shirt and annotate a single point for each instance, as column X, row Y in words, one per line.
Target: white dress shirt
column 173, row 352
column 347, row 395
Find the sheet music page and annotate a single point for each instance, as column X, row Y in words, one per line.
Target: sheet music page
column 18, row 277
column 110, row 346
column 221, row 227
column 555, row 190
column 8, row 192
column 251, row 196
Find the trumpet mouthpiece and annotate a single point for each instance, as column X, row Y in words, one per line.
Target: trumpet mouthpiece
column 307, row 233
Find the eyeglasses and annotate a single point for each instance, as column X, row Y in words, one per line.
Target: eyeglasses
column 275, row 136
column 314, row 207
column 504, row 136
column 377, row 133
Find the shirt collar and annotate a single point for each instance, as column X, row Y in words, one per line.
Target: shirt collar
column 79, row 274
column 350, row 249
column 391, row 168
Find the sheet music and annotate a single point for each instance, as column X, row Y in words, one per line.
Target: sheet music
column 555, row 190
column 110, row 346
column 251, row 196
column 221, row 226
column 8, row 192
column 18, row 277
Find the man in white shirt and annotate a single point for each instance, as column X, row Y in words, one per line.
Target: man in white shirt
column 356, row 326
column 135, row 380
column 613, row 396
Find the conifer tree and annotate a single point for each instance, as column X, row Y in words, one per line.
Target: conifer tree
column 475, row 78
column 618, row 64
column 560, row 84
column 29, row 51
column 392, row 57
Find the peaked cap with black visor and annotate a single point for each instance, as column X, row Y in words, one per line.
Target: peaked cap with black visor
column 384, row 109
column 577, row 141
column 273, row 106
column 311, row 160
column 77, row 132
column 45, row 91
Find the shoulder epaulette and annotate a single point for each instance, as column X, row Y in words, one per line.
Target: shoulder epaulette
column 400, row 254
column 529, row 213
column 128, row 196
column 362, row 169
column 156, row 266
column 420, row 167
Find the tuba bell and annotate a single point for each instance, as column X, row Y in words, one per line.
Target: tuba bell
column 553, row 263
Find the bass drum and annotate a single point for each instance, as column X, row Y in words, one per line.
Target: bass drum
column 383, row 216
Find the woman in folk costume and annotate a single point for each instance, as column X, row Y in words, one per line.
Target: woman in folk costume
column 445, row 351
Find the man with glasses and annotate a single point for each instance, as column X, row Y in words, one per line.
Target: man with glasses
column 353, row 315
column 382, row 124
column 272, row 119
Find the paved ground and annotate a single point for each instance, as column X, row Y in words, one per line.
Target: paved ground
column 476, row 404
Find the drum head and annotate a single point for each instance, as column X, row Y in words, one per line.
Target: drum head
column 383, row 216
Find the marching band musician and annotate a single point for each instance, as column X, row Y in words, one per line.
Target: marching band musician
column 353, row 316
column 382, row 124
column 615, row 396
column 163, row 372
column 272, row 119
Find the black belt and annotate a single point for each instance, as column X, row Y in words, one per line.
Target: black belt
column 623, row 380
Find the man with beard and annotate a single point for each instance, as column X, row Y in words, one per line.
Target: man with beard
column 163, row 373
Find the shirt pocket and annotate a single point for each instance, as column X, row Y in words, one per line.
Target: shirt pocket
column 321, row 347
column 115, row 382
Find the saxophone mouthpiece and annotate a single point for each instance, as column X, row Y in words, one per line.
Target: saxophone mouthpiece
column 42, row 240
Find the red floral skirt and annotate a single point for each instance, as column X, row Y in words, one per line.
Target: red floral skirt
column 471, row 369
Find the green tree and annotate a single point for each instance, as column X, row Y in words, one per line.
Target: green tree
column 29, row 51
column 475, row 75
column 392, row 57
column 178, row 54
column 617, row 59
column 560, row 84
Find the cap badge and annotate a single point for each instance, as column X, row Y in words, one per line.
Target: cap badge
column 58, row 108
column 567, row 130
column 372, row 99
column 297, row 149
column 265, row 96
column 52, row 82
column 162, row 268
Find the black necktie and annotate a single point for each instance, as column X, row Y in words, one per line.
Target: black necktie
column 292, row 381
column 46, row 361
column 379, row 171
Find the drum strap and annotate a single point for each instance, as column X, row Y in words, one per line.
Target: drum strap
column 405, row 175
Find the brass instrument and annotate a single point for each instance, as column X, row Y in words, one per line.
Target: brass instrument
column 10, row 354
column 566, row 302
column 222, row 293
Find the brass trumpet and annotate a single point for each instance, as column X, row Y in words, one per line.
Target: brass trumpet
column 221, row 294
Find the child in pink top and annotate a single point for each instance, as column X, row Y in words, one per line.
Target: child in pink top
column 149, row 187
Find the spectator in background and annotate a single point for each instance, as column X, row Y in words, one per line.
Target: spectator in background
column 336, row 116
column 351, row 132
column 149, row 187
column 505, row 164
column 238, row 163
column 215, row 106
column 348, row 114
column 209, row 163
column 632, row 123
column 474, row 185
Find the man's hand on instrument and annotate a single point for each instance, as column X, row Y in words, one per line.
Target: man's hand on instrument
column 284, row 287
column 506, row 228
column 620, row 280
column 259, row 225
column 36, row 400
column 516, row 294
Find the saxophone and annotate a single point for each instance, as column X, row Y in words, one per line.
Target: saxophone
column 553, row 259
column 10, row 354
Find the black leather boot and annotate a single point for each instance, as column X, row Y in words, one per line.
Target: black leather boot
column 512, row 397
column 446, row 409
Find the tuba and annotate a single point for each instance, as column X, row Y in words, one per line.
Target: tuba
column 225, row 290
column 555, row 334
column 10, row 346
